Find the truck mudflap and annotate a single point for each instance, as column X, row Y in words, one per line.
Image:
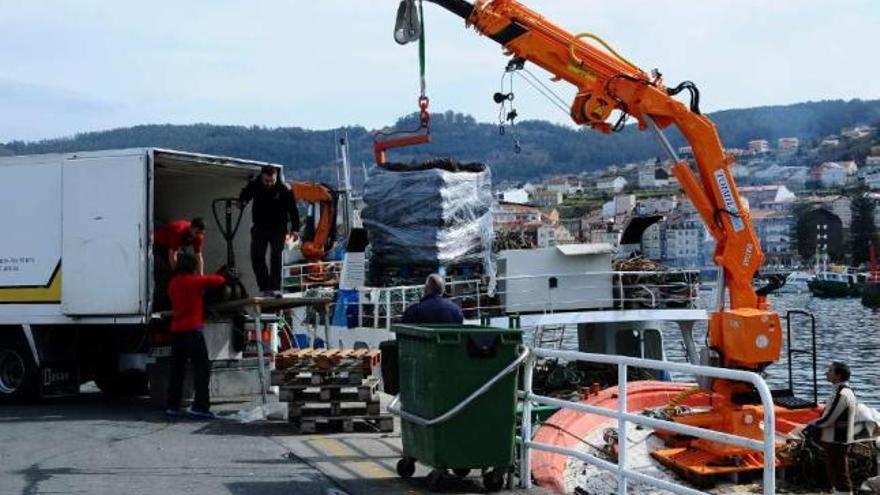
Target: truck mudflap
column 58, row 379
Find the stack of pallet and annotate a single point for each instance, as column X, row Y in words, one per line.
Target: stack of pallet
column 330, row 388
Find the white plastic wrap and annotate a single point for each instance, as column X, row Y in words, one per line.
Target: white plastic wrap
column 430, row 216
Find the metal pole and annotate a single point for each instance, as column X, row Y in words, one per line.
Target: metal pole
column 258, row 327
column 621, row 428
column 788, row 338
column 769, row 439
column 815, row 378
column 327, row 325
column 525, row 465
column 667, row 146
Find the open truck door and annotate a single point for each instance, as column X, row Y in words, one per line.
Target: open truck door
column 105, row 235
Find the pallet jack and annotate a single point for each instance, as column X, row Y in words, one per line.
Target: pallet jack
column 233, row 212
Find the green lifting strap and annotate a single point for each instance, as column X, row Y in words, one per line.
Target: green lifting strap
column 422, row 48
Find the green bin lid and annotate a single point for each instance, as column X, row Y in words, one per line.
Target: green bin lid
column 432, row 331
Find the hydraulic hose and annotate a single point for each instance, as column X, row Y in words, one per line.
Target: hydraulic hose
column 461, row 8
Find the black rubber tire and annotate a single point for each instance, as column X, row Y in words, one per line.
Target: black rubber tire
column 19, row 375
column 493, row 480
column 406, row 468
column 461, row 473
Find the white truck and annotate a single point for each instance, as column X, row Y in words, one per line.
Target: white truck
column 76, row 262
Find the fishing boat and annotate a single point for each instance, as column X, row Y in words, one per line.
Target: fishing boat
column 835, row 283
column 796, row 283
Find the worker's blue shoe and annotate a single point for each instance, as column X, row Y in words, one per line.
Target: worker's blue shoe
column 196, row 413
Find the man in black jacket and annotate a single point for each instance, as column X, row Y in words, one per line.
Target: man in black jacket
column 433, row 308
column 274, row 218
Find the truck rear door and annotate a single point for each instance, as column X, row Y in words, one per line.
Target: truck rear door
column 104, row 234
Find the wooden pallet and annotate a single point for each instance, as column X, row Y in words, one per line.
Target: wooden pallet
column 381, row 422
column 366, row 391
column 333, row 409
column 322, row 360
column 305, row 380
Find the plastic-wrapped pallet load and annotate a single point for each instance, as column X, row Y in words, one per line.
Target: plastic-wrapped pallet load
column 431, row 214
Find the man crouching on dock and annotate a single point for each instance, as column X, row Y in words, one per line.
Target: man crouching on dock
column 186, row 290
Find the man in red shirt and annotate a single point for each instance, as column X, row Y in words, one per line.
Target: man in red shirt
column 187, row 290
column 179, row 234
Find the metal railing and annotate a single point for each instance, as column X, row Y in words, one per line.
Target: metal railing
column 299, row 277
column 381, row 307
column 767, row 446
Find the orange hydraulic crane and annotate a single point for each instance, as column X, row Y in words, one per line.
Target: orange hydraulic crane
column 744, row 333
column 324, row 200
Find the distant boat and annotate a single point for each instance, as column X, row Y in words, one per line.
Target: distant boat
column 835, row 284
column 796, row 283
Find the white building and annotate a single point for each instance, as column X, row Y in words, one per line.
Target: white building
column 759, row 146
column 652, row 241
column 546, row 236
column 835, row 174
column 614, row 185
column 684, row 242
column 546, row 198
column 652, row 176
column 870, row 176
column 624, row 204
column 788, row 144
column 564, row 185
column 656, row 206
column 510, row 213
column 771, row 197
column 609, row 210
column 519, row 196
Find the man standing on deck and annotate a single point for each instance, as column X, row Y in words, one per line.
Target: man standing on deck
column 433, row 308
column 836, row 427
column 274, row 218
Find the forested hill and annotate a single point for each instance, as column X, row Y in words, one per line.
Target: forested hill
column 545, row 148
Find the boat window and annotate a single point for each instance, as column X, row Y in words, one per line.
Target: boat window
column 591, row 340
column 653, row 344
column 627, row 343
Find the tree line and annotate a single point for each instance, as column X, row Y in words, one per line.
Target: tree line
column 528, row 151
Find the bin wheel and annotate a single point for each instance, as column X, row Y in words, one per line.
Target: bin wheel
column 435, row 479
column 493, row 480
column 462, row 473
column 406, row 467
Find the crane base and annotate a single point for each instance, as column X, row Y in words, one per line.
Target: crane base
column 704, row 469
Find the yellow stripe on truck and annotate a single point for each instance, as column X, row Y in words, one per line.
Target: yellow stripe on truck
column 34, row 295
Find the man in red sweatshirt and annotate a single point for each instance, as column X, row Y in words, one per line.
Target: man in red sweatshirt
column 186, row 290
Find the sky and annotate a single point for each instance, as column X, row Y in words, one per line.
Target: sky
column 70, row 67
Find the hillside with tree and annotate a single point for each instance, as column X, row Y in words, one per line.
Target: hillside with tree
column 544, row 148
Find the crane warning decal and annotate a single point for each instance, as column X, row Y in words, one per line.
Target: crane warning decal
column 729, row 201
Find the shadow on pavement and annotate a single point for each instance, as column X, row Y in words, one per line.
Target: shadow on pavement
column 94, row 405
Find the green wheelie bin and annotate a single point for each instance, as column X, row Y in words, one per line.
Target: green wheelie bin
column 440, row 366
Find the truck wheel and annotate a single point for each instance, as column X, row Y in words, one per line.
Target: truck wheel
column 18, row 374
